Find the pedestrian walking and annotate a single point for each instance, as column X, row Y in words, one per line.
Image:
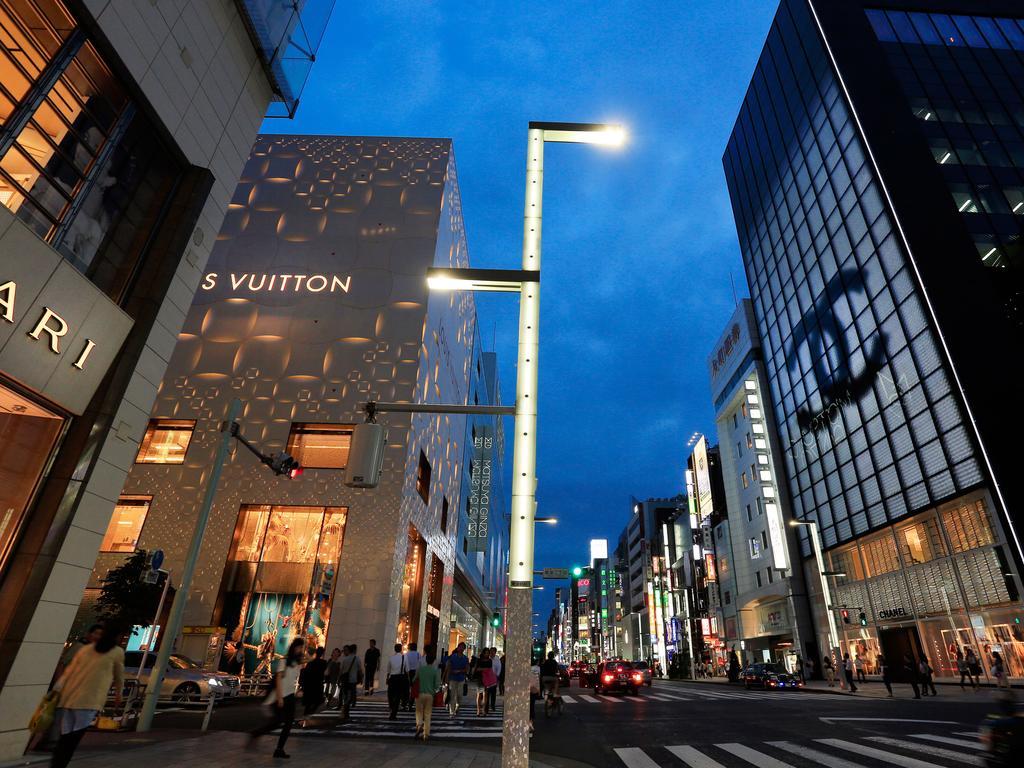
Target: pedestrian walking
column 858, row 664
column 830, row 671
column 999, row 670
column 428, row 681
column 371, row 662
column 347, row 677
column 82, row 691
column 483, row 664
column 848, row 672
column 282, row 697
column 973, row 668
column 332, row 677
column 910, row 673
column 961, row 668
column 499, row 671
column 455, row 676
column 311, row 682
column 883, row 669
column 412, row 663
column 357, row 675
column 808, row 669
column 490, row 680
column 926, row 672
column 397, row 681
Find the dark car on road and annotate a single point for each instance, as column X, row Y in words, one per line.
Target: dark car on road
column 617, row 676
column 645, row 669
column 769, row 676
column 563, row 676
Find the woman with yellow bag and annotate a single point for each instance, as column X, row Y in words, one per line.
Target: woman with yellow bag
column 82, row 692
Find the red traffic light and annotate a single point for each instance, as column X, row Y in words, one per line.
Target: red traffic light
column 846, row 615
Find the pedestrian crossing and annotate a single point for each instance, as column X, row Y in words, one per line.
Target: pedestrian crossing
column 677, row 694
column 918, row 750
column 370, row 718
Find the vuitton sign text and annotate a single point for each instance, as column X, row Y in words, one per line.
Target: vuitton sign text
column 261, row 282
column 50, row 324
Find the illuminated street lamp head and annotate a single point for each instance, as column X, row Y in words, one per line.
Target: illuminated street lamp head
column 548, row 520
column 604, row 134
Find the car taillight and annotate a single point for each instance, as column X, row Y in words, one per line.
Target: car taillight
column 608, row 678
column 638, row 676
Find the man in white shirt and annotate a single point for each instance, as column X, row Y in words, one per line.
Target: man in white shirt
column 397, row 680
column 412, row 663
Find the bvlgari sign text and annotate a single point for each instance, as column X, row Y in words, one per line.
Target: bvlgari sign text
column 262, row 282
column 50, row 324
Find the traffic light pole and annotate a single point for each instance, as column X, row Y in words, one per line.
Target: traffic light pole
column 177, row 614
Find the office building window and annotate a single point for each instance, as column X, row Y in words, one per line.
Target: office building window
column 744, row 480
column 126, row 524
column 735, row 422
column 444, row 514
column 165, row 441
column 320, row 446
column 78, row 164
column 739, row 450
column 423, row 478
column 757, row 578
column 764, row 540
column 771, row 578
column 750, row 442
column 755, row 548
column 28, row 436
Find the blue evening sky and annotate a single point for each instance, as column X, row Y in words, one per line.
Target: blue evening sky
column 639, row 243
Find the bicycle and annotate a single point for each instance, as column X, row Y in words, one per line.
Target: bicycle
column 553, row 703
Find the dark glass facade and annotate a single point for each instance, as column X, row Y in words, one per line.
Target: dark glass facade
column 870, row 426
column 963, row 77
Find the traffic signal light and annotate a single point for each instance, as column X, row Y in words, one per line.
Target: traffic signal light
column 846, row 615
column 496, row 619
column 365, row 456
column 576, row 571
column 863, row 619
column 283, row 464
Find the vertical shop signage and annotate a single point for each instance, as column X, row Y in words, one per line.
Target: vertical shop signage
column 480, row 489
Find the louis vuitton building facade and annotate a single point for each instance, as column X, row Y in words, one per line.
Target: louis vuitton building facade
column 315, row 301
column 875, row 170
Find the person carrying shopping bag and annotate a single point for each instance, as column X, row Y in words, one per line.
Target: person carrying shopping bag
column 82, row 692
column 428, row 683
column 282, row 697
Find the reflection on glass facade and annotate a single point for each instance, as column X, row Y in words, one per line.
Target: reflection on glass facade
column 963, row 77
column 870, row 428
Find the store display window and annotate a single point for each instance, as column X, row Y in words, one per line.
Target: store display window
column 320, row 446
column 165, row 441
column 28, row 435
column 126, row 524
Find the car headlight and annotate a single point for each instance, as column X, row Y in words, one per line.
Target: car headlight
column 213, row 682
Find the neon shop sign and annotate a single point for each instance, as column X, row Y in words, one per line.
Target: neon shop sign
column 261, row 282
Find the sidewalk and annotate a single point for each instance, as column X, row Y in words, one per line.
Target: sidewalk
column 873, row 688
column 222, row 749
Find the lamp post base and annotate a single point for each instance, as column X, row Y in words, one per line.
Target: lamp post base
column 515, row 745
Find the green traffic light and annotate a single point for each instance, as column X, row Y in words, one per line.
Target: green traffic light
column 577, row 571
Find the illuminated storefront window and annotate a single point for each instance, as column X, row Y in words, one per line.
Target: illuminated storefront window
column 412, row 589
column 279, row 579
column 126, row 524
column 165, row 442
column 28, row 434
column 320, row 446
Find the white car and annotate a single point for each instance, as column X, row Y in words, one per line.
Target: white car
column 186, row 681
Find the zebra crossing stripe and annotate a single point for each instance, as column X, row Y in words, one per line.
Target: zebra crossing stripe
column 568, row 699
column 634, row 757
column 589, row 699
column 813, row 755
column 670, row 696
column 928, row 749
column 753, row 757
column 694, row 757
column 885, row 757
column 658, row 698
column 947, row 740
column 972, row 734
column 611, row 698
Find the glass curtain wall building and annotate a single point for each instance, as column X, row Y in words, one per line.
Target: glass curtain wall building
column 886, row 317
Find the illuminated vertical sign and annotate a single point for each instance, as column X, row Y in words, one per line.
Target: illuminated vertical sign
column 480, row 479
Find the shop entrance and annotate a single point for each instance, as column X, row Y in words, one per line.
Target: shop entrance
column 896, row 642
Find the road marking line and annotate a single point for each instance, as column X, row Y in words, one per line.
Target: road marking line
column 948, row 740
column 634, row 757
column 813, row 755
column 674, row 698
column 928, row 749
column 885, row 757
column 973, row 734
column 589, row 699
column 568, row 699
column 752, row 756
column 693, row 757
column 886, row 720
column 611, row 699
column 659, row 698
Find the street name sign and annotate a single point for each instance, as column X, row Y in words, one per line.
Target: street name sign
column 555, row 573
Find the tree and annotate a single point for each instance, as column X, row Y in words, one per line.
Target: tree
column 126, row 600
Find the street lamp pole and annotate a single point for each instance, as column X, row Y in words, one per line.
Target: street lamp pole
column 819, row 560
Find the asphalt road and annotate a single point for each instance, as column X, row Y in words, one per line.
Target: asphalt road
column 700, row 725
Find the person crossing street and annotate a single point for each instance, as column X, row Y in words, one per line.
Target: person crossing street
column 397, row 680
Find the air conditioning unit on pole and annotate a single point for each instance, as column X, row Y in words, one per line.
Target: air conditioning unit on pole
column 366, row 456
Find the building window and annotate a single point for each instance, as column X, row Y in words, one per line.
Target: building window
column 750, row 515
column 743, row 410
column 757, row 577
column 126, row 524
column 320, row 446
column 744, row 480
column 77, row 162
column 764, row 540
column 739, row 450
column 755, row 548
column 771, row 577
column 728, row 597
column 444, row 514
column 735, row 422
column 165, row 441
column 760, row 505
column 750, row 442
column 423, row 478
column 28, row 436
